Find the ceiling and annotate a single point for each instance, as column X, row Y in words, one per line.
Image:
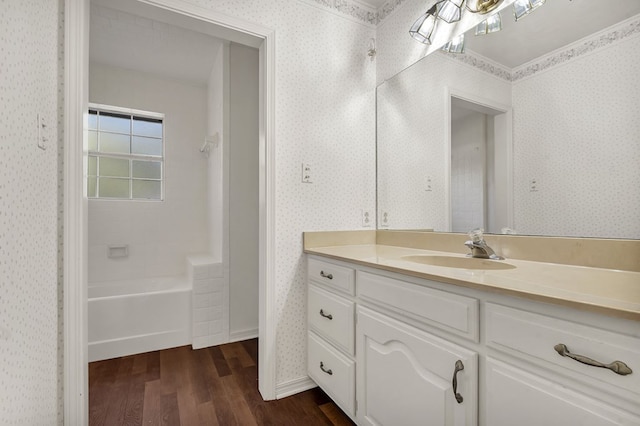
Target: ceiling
column 552, row 26
column 376, row 4
column 131, row 41
column 120, row 37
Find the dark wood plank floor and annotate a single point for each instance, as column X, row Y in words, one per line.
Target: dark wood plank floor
column 184, row 387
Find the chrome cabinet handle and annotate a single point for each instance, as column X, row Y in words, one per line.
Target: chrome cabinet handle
column 617, row 367
column 323, row 275
column 458, row 367
column 330, row 317
column 329, row 372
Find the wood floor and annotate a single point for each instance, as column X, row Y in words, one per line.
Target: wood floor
column 183, row 387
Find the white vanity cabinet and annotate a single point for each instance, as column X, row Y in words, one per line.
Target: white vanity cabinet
column 405, row 374
column 331, row 331
column 550, row 371
column 409, row 377
column 410, row 351
column 517, row 396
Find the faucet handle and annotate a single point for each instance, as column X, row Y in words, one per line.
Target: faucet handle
column 476, row 235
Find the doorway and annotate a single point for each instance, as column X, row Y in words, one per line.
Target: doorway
column 479, row 158
column 75, row 212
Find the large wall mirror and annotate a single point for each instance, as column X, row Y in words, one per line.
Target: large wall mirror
column 535, row 129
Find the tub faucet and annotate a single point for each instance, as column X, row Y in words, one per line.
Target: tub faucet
column 479, row 247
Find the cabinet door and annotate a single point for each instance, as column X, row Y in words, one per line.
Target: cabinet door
column 516, row 397
column 405, row 376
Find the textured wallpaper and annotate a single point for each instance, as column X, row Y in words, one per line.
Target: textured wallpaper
column 576, row 131
column 29, row 71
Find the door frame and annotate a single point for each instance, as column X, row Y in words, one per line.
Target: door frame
column 503, row 121
column 75, row 206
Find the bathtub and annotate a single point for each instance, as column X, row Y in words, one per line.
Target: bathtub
column 130, row 317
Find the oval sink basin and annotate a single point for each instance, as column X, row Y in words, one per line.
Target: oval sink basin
column 459, row 262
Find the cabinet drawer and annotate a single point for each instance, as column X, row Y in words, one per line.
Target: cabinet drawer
column 451, row 312
column 333, row 372
column 330, row 275
column 532, row 335
column 332, row 317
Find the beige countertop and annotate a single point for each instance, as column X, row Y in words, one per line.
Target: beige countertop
column 606, row 291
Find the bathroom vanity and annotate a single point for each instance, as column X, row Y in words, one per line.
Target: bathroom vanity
column 398, row 338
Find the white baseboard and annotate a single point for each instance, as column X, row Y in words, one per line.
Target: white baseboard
column 130, row 345
column 292, row 387
column 239, row 335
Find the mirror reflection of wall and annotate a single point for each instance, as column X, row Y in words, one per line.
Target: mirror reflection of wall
column 576, row 137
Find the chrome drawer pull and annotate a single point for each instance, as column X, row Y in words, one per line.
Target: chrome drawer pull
column 323, row 275
column 458, row 367
column 617, row 367
column 330, row 317
column 329, row 372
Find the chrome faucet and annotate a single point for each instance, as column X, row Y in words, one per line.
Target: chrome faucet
column 479, row 247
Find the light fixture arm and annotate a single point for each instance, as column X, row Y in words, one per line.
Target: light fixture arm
column 482, row 6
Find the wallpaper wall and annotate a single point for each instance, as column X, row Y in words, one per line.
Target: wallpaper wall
column 29, row 72
column 582, row 146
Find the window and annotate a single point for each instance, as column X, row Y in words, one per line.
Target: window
column 125, row 154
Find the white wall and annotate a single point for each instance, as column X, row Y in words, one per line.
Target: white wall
column 217, row 162
column 243, row 190
column 29, row 85
column 160, row 234
column 468, row 169
column 576, row 131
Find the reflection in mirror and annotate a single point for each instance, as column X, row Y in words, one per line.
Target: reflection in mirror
column 479, row 140
column 559, row 87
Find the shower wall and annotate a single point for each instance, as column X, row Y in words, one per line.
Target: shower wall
column 233, row 91
column 243, row 190
column 160, row 235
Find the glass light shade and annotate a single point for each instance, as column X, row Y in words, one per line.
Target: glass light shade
column 522, row 8
column 423, row 28
column 455, row 46
column 493, row 24
column 450, row 10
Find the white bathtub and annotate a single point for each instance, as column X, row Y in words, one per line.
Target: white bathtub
column 130, row 317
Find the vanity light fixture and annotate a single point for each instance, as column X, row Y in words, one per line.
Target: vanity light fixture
column 422, row 29
column 482, row 6
column 455, row 46
column 449, row 11
column 522, row 8
column 493, row 24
